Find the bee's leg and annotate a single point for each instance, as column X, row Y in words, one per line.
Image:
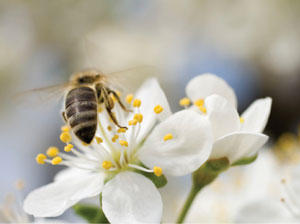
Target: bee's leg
column 63, row 114
column 118, row 99
column 109, row 105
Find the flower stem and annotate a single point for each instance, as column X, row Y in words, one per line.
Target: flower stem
column 192, row 195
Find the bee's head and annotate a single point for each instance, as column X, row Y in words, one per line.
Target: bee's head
column 86, row 77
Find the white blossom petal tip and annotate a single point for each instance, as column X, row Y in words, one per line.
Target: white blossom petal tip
column 179, row 145
column 207, row 84
column 53, row 199
column 131, row 198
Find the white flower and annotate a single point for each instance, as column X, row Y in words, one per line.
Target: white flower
column 235, row 137
column 178, row 145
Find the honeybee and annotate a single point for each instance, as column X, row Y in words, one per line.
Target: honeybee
column 87, row 91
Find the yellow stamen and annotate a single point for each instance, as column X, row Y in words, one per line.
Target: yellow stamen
column 65, row 128
column 184, row 102
column 100, row 109
column 118, row 93
column 85, row 144
column 242, row 120
column 106, row 165
column 138, row 117
column 113, row 98
column 99, row 140
column 20, row 184
column 157, row 171
column 57, row 160
column 123, row 143
column 121, row 130
column 137, row 103
column 158, row 109
column 129, row 98
column 168, row 136
column 202, row 108
column 52, row 151
column 109, row 128
column 65, row 137
column 68, row 147
column 40, row 158
column 199, row 102
column 115, row 138
column 132, row 122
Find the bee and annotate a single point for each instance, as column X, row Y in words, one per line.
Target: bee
column 86, row 92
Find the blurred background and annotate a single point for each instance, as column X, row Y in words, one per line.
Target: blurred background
column 252, row 44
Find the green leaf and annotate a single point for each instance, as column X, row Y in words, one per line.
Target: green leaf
column 158, row 181
column 245, row 161
column 90, row 213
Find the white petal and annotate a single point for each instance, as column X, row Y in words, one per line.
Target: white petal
column 69, row 172
column 131, row 198
column 188, row 150
column 53, row 199
column 207, row 84
column 223, row 116
column 151, row 95
column 238, row 145
column 256, row 116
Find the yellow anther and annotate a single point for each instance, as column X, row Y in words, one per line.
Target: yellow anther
column 40, row 158
column 106, row 164
column 100, row 109
column 138, row 117
column 118, row 93
column 168, row 136
column 99, row 140
column 85, row 144
column 115, row 138
column 57, row 160
column 109, row 128
column 158, row 109
column 65, row 128
column 199, row 102
column 52, row 151
column 129, row 98
column 68, row 147
column 242, row 120
column 65, row 137
column 203, row 109
column 184, row 102
column 20, row 184
column 157, row 171
column 113, row 98
column 123, row 143
column 121, row 130
column 132, row 122
column 137, row 103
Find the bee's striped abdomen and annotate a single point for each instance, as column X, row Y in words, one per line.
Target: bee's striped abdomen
column 81, row 112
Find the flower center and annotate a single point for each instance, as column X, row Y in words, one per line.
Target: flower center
column 112, row 150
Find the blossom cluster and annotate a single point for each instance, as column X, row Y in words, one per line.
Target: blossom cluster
column 121, row 164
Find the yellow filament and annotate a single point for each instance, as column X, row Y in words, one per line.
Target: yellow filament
column 199, row 102
column 203, row 109
column 158, row 109
column 57, row 160
column 242, row 120
column 40, row 158
column 68, row 147
column 157, row 171
column 168, row 136
column 106, row 165
column 109, row 128
column 138, row 117
column 184, row 102
column 123, row 143
column 65, row 137
column 129, row 98
column 137, row 103
column 121, row 130
column 115, row 138
column 52, row 151
column 65, row 128
column 99, row 140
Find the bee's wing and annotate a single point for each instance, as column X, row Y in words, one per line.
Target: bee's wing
column 41, row 96
column 130, row 79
